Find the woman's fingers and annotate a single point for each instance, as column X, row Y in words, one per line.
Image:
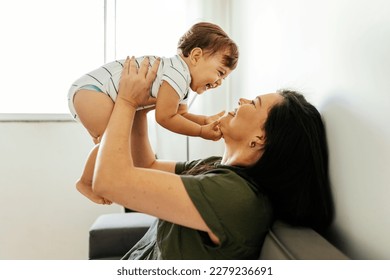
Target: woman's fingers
column 132, row 65
column 149, row 73
column 136, row 81
column 126, row 66
column 143, row 69
column 152, row 73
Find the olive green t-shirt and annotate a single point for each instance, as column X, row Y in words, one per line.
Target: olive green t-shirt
column 235, row 211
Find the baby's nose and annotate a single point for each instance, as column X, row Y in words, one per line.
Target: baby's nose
column 217, row 83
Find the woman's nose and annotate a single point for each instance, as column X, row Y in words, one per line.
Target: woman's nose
column 242, row 101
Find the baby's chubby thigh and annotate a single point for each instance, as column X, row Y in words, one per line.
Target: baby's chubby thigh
column 93, row 109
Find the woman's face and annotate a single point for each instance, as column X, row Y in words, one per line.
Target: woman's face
column 249, row 117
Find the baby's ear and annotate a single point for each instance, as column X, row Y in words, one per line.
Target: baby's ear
column 196, row 54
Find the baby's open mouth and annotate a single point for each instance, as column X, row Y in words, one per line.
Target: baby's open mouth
column 233, row 113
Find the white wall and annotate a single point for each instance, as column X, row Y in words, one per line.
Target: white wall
column 42, row 215
column 337, row 53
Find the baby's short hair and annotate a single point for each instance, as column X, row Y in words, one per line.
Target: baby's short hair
column 211, row 39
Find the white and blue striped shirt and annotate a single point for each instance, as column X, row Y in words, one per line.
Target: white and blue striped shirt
column 106, row 78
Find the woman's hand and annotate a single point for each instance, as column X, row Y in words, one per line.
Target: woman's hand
column 135, row 83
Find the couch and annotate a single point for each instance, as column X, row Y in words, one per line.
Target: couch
column 112, row 235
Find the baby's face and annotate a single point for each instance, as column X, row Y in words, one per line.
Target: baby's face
column 208, row 73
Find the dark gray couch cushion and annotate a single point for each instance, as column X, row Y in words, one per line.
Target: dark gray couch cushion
column 112, row 235
column 284, row 242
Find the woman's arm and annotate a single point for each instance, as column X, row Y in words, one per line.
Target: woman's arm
column 154, row 192
column 142, row 152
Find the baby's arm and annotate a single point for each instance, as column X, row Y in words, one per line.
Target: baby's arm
column 199, row 119
column 169, row 116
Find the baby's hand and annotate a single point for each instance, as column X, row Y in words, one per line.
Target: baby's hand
column 213, row 118
column 211, row 131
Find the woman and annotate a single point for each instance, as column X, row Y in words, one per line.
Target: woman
column 274, row 166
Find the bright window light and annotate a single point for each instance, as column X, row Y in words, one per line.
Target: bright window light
column 152, row 28
column 47, row 45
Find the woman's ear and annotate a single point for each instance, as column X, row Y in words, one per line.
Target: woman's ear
column 195, row 55
column 257, row 142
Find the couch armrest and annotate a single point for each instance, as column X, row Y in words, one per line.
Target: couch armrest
column 285, row 242
column 112, row 235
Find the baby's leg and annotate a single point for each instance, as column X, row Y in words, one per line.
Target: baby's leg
column 84, row 184
column 93, row 109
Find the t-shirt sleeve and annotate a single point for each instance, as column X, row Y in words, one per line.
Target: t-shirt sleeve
column 177, row 78
column 225, row 201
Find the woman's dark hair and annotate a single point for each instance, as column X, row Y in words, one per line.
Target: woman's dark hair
column 294, row 170
column 211, row 39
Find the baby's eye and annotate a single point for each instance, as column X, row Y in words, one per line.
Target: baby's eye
column 220, row 73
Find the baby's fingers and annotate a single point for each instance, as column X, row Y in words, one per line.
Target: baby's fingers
column 220, row 114
column 214, row 125
column 217, row 135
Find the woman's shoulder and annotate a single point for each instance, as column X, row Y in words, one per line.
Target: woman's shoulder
column 211, row 171
column 191, row 165
column 221, row 181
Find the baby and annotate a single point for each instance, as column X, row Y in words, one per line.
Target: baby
column 206, row 55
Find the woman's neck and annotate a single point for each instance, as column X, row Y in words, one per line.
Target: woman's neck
column 233, row 156
column 240, row 155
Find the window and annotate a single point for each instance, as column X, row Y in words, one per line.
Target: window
column 46, row 45
column 152, row 28
column 49, row 44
